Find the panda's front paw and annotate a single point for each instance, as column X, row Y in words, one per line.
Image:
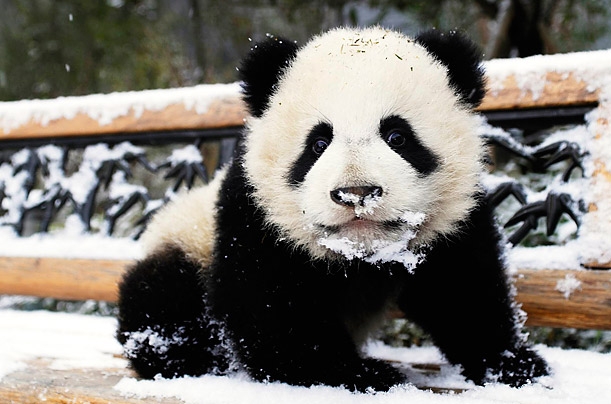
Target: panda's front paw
column 519, row 368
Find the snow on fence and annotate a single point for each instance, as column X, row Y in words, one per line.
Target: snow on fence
column 71, row 205
column 73, row 200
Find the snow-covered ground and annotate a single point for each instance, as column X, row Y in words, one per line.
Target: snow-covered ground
column 75, row 340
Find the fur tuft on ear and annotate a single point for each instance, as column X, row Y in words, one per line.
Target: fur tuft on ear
column 463, row 60
column 262, row 68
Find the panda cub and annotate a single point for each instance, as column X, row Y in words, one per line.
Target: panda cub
column 354, row 190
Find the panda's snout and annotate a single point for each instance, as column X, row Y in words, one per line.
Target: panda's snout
column 356, row 196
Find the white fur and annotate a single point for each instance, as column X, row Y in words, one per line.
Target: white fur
column 352, row 78
column 187, row 222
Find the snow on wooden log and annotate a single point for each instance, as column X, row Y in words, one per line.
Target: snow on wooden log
column 38, row 383
column 200, row 107
column 569, row 299
column 538, row 81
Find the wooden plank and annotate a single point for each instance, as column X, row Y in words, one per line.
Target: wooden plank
column 559, row 90
column 224, row 112
column 61, row 278
column 589, row 306
column 37, row 384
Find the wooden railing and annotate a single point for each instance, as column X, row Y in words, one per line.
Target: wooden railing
column 517, row 89
column 588, row 306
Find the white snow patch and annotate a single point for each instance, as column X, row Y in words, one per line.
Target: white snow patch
column 379, row 251
column 568, row 285
column 68, row 244
column 344, row 246
column 530, row 73
column 80, row 341
column 567, row 386
column 188, row 154
column 397, row 251
column 159, row 343
column 68, row 340
column 105, row 108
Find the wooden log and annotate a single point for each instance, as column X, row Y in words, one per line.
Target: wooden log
column 586, row 304
column 560, row 89
column 224, row 112
column 539, row 292
column 61, row 278
column 37, row 384
column 229, row 111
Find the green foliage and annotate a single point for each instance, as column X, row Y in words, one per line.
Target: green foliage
column 69, row 47
column 51, row 48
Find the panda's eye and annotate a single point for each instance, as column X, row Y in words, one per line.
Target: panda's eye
column 320, row 145
column 395, row 139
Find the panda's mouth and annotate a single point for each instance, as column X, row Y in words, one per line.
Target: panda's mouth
column 361, row 224
column 374, row 241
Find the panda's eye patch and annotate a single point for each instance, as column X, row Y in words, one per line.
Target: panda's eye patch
column 396, row 139
column 315, row 144
column 401, row 138
column 320, row 145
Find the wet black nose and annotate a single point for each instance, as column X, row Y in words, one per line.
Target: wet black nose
column 355, row 196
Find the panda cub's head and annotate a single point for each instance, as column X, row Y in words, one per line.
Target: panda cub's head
column 362, row 143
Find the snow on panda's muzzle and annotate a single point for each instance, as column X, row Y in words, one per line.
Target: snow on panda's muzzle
column 362, row 198
column 356, row 196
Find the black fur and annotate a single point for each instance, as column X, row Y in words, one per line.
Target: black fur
column 261, row 70
column 411, row 149
column 463, row 60
column 287, row 317
column 460, row 296
column 286, row 310
column 301, row 166
column 162, row 296
column 287, row 314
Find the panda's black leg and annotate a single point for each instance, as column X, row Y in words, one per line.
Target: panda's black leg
column 460, row 296
column 163, row 322
column 288, row 327
column 307, row 354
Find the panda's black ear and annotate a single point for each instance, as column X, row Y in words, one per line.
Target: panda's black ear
column 262, row 68
column 463, row 60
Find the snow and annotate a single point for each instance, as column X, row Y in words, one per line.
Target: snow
column 70, row 341
column 568, row 285
column 68, row 244
column 188, row 154
column 530, row 73
column 105, row 108
column 74, row 340
column 591, row 67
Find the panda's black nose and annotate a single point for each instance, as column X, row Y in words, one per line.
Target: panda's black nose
column 355, row 196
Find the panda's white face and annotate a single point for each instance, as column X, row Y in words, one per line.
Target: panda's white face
column 364, row 150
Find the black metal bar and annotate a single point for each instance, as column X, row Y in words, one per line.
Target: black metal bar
column 137, row 138
column 538, row 118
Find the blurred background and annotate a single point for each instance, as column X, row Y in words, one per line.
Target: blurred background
column 51, row 48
